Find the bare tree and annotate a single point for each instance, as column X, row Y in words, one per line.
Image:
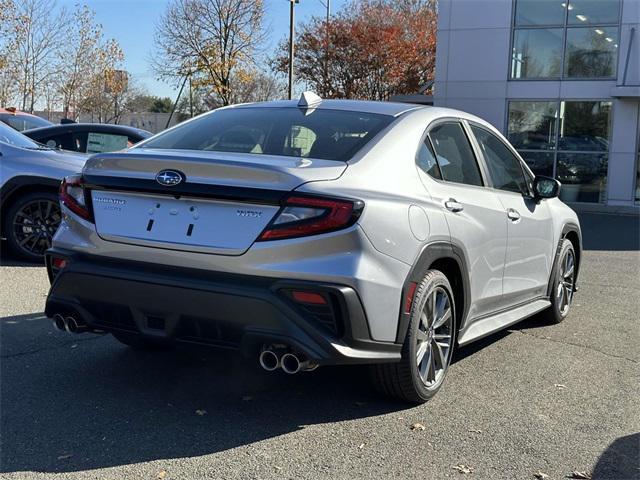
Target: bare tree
column 40, row 29
column 8, row 68
column 214, row 41
column 77, row 60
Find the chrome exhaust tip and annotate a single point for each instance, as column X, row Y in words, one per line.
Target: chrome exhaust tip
column 59, row 322
column 74, row 326
column 290, row 363
column 269, row 360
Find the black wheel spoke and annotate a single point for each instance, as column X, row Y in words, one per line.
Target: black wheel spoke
column 34, row 224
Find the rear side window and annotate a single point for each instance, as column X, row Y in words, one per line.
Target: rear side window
column 291, row 132
column 65, row 141
column 504, row 167
column 454, row 154
column 426, row 159
column 105, row 142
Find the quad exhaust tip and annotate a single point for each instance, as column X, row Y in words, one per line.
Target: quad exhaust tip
column 73, row 325
column 269, row 360
column 59, row 322
column 290, row 363
column 69, row 324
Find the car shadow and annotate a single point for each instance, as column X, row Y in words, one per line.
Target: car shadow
column 7, row 259
column 73, row 403
column 620, row 459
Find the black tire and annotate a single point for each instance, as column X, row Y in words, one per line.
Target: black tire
column 138, row 342
column 560, row 292
column 30, row 236
column 403, row 380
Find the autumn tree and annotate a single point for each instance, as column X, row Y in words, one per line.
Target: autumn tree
column 372, row 49
column 8, row 71
column 40, row 29
column 216, row 42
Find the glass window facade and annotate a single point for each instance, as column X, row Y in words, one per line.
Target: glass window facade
column 568, row 140
column 571, row 39
column 637, row 197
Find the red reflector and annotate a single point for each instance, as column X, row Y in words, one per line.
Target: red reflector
column 408, row 301
column 59, row 263
column 308, row 297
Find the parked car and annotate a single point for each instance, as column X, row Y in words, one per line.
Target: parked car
column 21, row 120
column 30, row 176
column 88, row 137
column 315, row 233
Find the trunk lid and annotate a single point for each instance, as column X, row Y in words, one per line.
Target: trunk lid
column 222, row 204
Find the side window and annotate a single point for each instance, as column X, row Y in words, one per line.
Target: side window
column 63, row 141
column 504, row 167
column 95, row 142
column 454, row 154
column 426, row 159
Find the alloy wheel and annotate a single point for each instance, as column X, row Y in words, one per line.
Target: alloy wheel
column 566, row 282
column 434, row 337
column 34, row 225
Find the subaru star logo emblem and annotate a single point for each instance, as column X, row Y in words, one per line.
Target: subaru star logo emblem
column 169, row 178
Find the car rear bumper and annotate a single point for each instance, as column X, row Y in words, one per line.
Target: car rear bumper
column 214, row 309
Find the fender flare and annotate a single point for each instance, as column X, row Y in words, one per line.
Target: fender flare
column 569, row 227
column 16, row 183
column 428, row 255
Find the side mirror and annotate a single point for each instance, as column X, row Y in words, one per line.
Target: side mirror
column 546, row 187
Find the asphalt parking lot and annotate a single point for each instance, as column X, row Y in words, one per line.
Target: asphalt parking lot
column 536, row 399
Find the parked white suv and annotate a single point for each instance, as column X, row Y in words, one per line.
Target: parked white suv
column 313, row 233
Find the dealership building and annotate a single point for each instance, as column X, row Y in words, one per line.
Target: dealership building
column 560, row 78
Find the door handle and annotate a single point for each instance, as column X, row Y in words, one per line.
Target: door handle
column 453, row 205
column 513, row 215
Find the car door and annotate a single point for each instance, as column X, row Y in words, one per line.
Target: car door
column 529, row 225
column 475, row 216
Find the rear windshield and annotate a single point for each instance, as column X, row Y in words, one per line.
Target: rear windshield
column 23, row 122
column 290, row 132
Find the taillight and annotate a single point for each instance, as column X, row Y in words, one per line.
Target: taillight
column 72, row 196
column 301, row 216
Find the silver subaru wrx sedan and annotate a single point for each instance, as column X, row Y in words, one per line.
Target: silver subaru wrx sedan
column 315, row 232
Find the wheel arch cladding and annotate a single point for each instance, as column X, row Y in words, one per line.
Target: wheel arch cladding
column 25, row 184
column 450, row 260
column 573, row 236
column 571, row 232
column 17, row 186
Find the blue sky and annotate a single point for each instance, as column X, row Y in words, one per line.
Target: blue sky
column 132, row 23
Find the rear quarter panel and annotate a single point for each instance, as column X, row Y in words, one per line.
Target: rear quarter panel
column 399, row 215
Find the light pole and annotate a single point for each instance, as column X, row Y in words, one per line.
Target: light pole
column 292, row 32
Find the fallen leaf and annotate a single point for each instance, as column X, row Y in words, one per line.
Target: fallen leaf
column 417, row 426
column 161, row 474
column 541, row 475
column 472, row 430
column 65, row 456
column 580, row 475
column 201, row 412
column 463, row 468
column 559, row 385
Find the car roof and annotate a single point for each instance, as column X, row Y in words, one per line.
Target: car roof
column 96, row 127
column 393, row 109
column 18, row 113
